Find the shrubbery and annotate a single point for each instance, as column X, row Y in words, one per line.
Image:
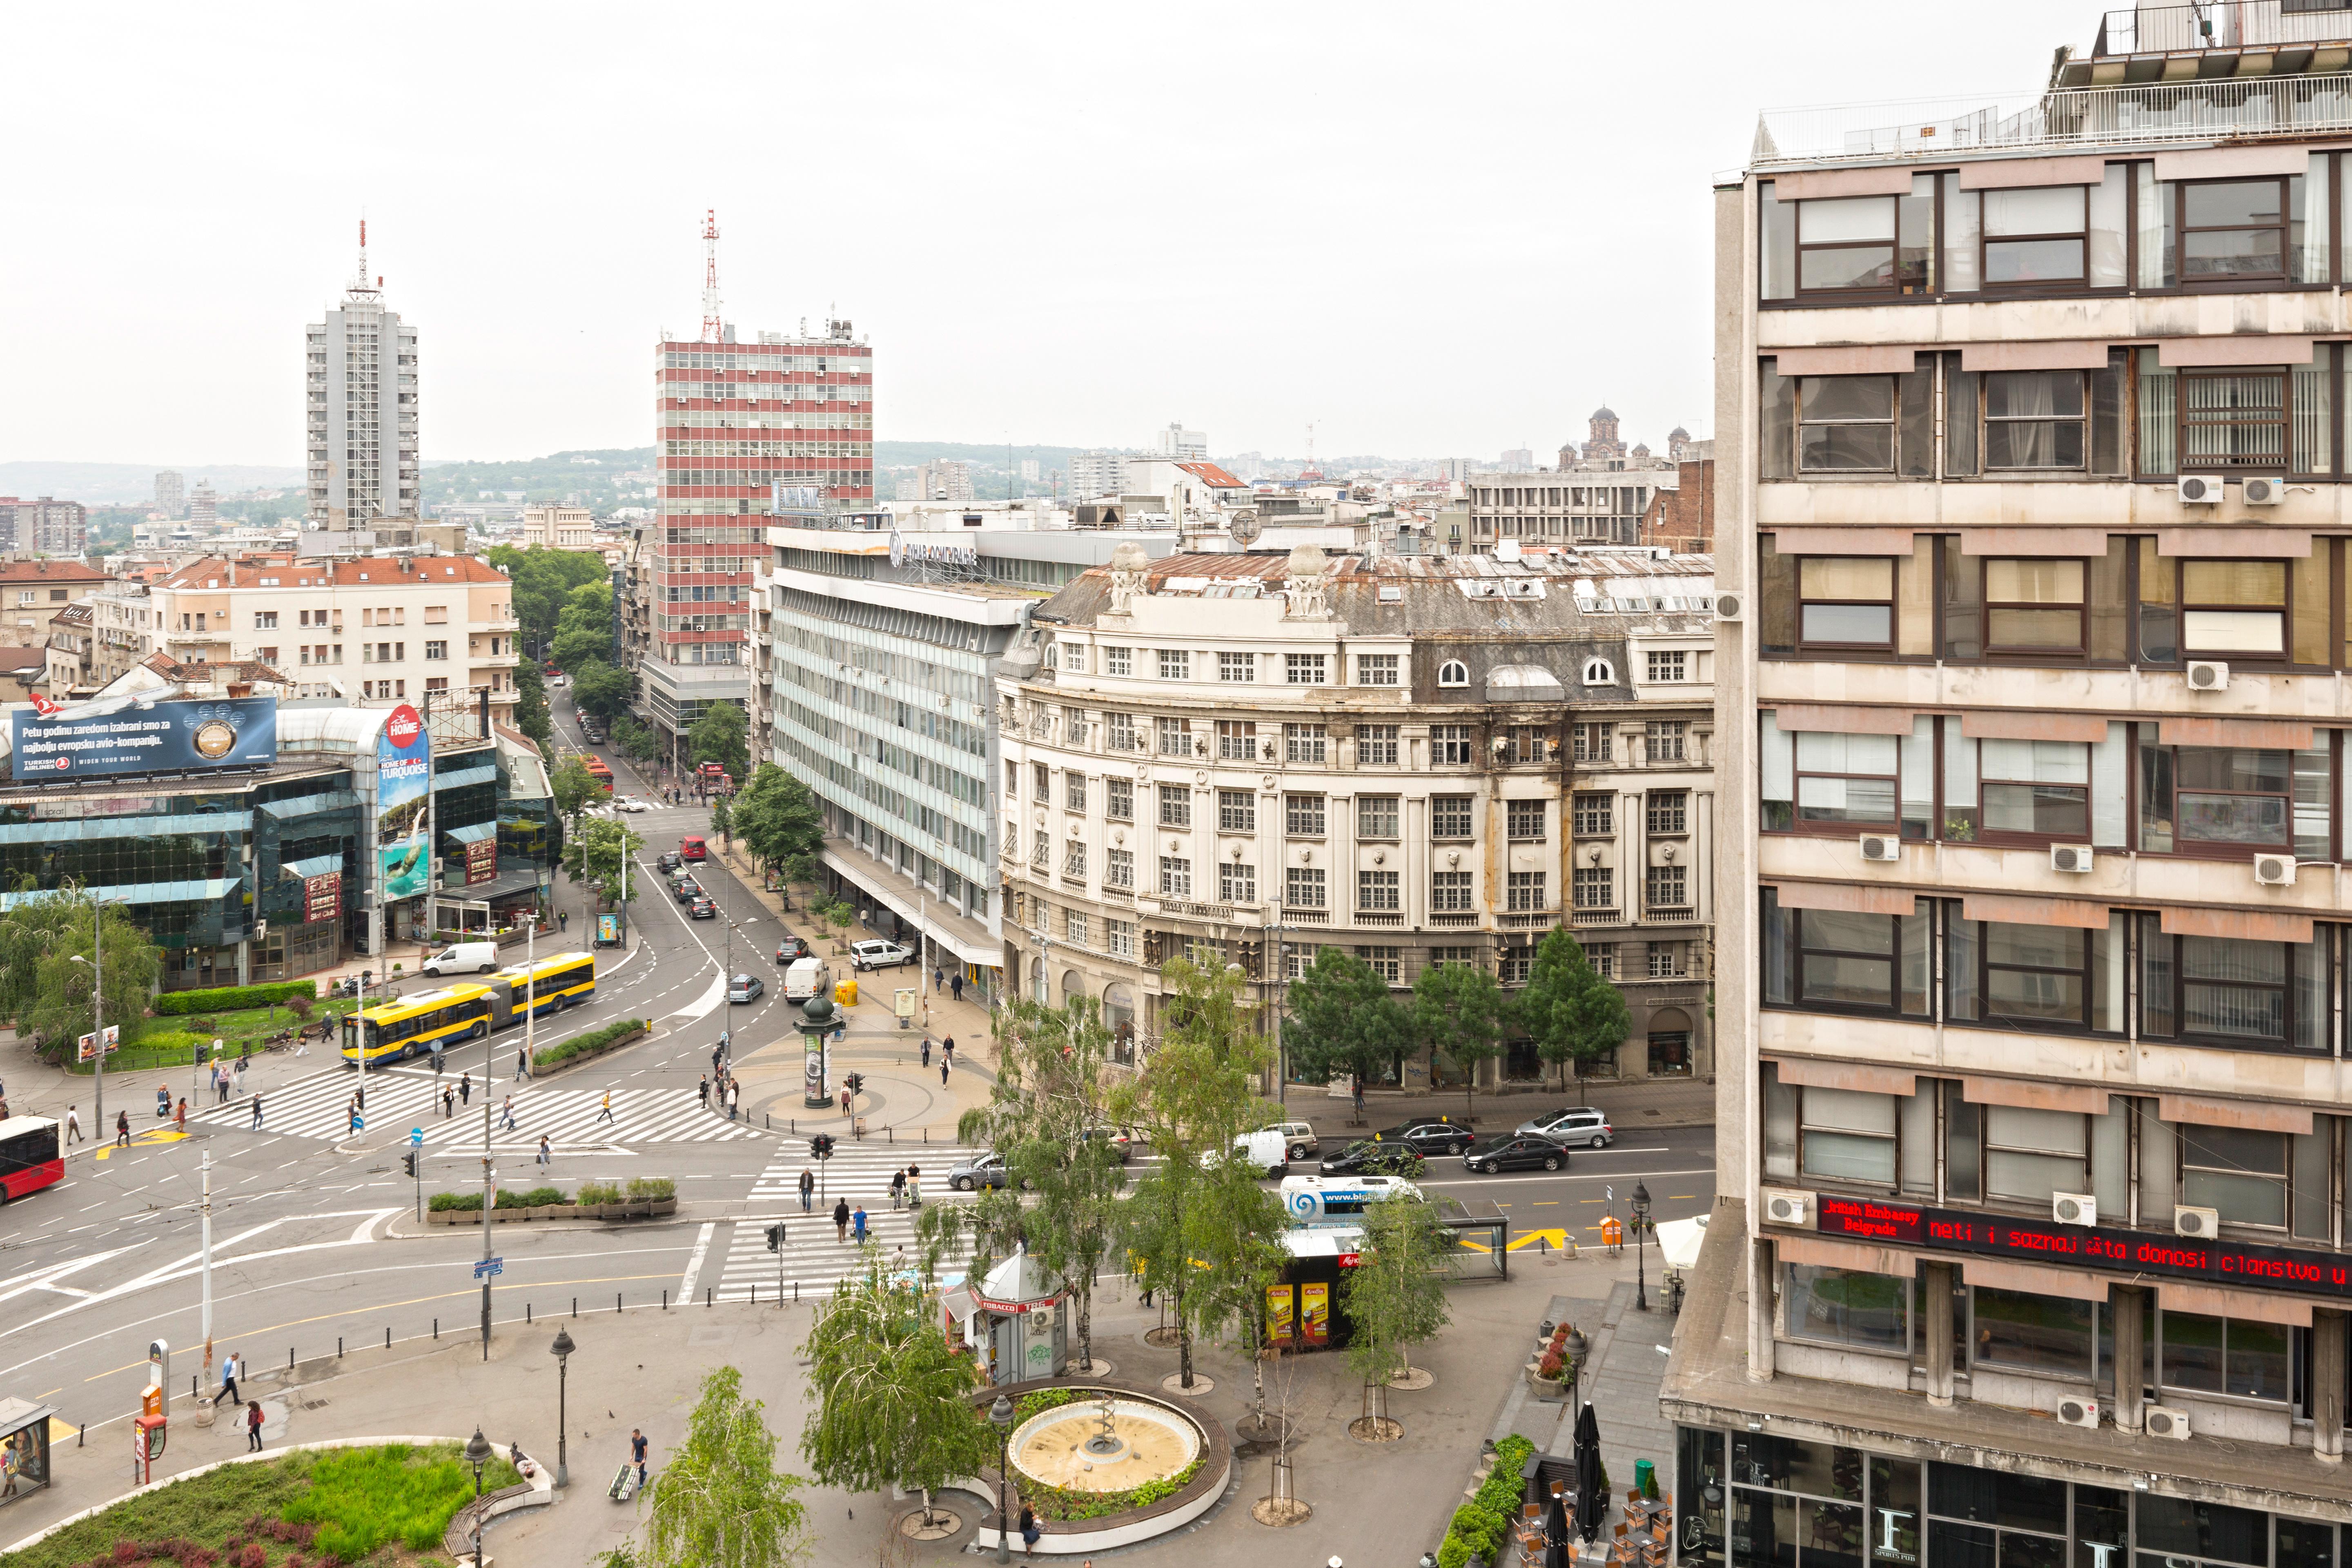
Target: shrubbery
column 230, row 998
column 1483, row 1525
column 580, row 1045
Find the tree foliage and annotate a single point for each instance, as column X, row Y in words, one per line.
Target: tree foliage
column 635, row 741
column 47, row 992
column 597, row 688
column 575, row 787
column 720, row 736
column 544, row 579
column 596, row 853
column 721, row 1502
column 776, row 816
column 530, row 715
column 584, row 628
column 891, row 1396
column 1567, row 1008
column 1339, row 1018
column 1459, row 1010
column 1396, row 1292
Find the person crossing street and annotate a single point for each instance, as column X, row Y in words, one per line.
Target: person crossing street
column 841, row 1219
column 808, row 1189
column 73, row 1125
column 605, row 1111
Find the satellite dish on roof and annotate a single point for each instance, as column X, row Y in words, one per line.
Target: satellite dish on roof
column 1245, row 527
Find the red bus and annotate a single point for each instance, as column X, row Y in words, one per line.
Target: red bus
column 30, row 1157
column 599, row 772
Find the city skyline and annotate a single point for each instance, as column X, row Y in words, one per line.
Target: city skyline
column 534, row 295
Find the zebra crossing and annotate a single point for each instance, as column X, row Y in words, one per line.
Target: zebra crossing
column 813, row 1257
column 401, row 1098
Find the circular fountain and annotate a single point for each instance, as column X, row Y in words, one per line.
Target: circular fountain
column 1082, row 1461
column 1109, row 1444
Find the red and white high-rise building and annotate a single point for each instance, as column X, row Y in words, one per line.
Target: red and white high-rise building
column 744, row 431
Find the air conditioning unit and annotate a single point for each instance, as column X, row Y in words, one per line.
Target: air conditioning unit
column 1881, row 847
column 2073, row 1411
column 2073, row 1208
column 2166, row 1421
column 2275, row 871
column 2198, row 490
column 2261, row 492
column 2203, row 1224
column 1784, row 1206
column 2207, row 675
column 2076, row 857
column 1728, row 607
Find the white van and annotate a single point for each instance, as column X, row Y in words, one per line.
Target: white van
column 1266, row 1152
column 464, row 958
column 807, row 977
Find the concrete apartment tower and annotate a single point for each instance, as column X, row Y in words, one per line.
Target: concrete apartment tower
column 171, row 493
column 2032, row 1243
column 360, row 387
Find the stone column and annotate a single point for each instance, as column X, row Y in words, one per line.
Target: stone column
column 1935, row 1307
column 2126, row 1302
column 2327, row 1352
column 1763, row 1277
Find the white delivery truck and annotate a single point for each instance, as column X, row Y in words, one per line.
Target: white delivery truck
column 807, row 977
column 1268, row 1152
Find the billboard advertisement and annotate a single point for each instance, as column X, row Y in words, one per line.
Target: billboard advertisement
column 178, row 736
column 323, row 897
column 404, row 790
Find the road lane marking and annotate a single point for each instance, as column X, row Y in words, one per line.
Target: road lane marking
column 694, row 1263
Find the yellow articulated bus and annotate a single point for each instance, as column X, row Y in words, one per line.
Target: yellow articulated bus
column 559, row 981
column 418, row 1026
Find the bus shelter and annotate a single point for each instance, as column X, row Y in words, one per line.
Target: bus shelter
column 23, row 1448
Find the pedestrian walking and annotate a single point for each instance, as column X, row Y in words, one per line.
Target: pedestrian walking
column 604, row 1113
column 955, row 985
column 1029, row 1531
column 73, row 1125
column 897, row 1187
column 507, row 1124
column 947, row 1050
column 229, row 1370
column 858, row 1222
column 638, row 1453
column 705, row 1091
column 938, row 977
column 841, row 1219
column 164, row 1103
column 914, row 1186
column 257, row 1110
column 179, row 1118
column 466, row 1090
column 943, row 1072
column 253, row 1427
column 122, row 1129
column 927, row 1051
column 734, row 1098
column 808, row 1188
column 562, row 921
column 241, row 1056
column 448, row 1103
column 546, row 1154
column 718, row 1057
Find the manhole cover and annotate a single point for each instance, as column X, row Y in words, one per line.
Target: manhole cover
column 313, row 1404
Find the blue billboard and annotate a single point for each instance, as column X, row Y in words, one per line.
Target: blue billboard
column 182, row 735
column 404, row 786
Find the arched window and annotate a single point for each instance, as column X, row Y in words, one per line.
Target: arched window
column 1600, row 672
column 1454, row 672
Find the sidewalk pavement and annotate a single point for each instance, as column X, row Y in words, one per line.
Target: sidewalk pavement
column 1650, row 1103
column 1373, row 1503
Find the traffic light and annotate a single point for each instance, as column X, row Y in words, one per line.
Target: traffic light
column 410, row 1161
column 821, row 1146
column 856, row 1082
column 775, row 1238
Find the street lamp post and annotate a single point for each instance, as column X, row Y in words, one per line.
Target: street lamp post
column 478, row 1453
column 1578, row 1347
column 1000, row 1416
column 1640, row 1224
column 563, row 1350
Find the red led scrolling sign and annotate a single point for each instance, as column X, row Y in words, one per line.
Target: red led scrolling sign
column 2088, row 1246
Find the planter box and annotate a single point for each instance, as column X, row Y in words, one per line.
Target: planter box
column 1550, row 1390
column 662, row 1206
column 553, row 1211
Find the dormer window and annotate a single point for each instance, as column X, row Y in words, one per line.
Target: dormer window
column 1600, row 672
column 1453, row 673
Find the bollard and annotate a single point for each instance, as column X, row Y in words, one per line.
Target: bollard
column 195, row 1393
column 926, row 1132
column 1543, row 1245
column 526, row 1313
column 436, row 1327
column 796, row 1292
column 80, row 1433
column 387, row 1336
column 575, row 1306
column 616, row 1301
column 664, row 1300
column 769, row 1119
column 289, row 1358
column 338, row 1347
column 793, row 1122
column 708, row 1297
column 890, row 1134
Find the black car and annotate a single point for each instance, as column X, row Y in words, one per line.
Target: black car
column 687, row 889
column 1519, row 1152
column 790, row 948
column 703, row 909
column 1429, row 1135
column 670, row 861
column 1365, row 1158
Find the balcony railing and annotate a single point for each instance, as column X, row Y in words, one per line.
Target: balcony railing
column 2218, row 24
column 1292, row 915
column 1532, row 920
column 1454, row 916
column 1596, row 918
column 1199, row 911
column 1379, row 917
column 2090, row 119
column 1670, row 912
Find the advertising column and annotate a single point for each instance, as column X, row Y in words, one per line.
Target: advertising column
column 404, row 839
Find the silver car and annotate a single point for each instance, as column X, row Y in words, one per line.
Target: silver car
column 1576, row 1126
column 979, row 1170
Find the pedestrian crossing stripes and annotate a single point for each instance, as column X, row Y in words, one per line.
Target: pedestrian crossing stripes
column 813, row 1257
column 399, row 1099
column 860, row 1170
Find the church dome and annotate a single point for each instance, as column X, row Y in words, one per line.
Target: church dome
column 1604, row 412
column 1677, row 434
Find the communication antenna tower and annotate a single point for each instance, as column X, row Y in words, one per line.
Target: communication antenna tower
column 711, row 329
column 360, row 282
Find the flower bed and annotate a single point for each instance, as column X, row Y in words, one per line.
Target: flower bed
column 645, row 1197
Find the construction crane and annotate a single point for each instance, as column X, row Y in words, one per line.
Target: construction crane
column 711, row 329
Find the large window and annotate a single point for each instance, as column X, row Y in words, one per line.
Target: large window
column 1846, row 780
column 2036, row 236
column 1449, row 891
column 1303, row 814
column 1376, row 817
column 2033, row 420
column 2259, row 420
column 2233, row 419
column 2233, row 608
column 1844, row 1135
column 1844, row 962
column 2042, row 978
column 1849, row 245
column 2032, row 790
column 1845, row 424
column 1305, row 742
column 1449, row 816
column 2217, row 991
column 2034, row 606
column 1846, row 602
column 1175, row 806
column 1236, row 739
column 1237, row 811
column 1846, row 1307
column 1303, row 888
column 2042, row 1335
column 2231, row 800
column 2232, row 230
column 2235, row 1356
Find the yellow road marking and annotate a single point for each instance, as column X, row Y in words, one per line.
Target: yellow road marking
column 1557, row 1240
column 153, row 1135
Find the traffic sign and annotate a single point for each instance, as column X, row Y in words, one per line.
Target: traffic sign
column 486, row 1266
column 416, row 1137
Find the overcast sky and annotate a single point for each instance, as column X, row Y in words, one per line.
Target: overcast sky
column 1430, row 230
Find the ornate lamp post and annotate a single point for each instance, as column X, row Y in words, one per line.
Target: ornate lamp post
column 1000, row 1416
column 562, row 1350
column 1577, row 1347
column 477, row 1455
column 1640, row 1224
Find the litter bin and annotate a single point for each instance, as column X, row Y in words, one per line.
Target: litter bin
column 1645, row 1479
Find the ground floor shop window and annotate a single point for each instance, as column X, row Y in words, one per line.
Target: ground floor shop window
column 1601, row 1064
column 1670, row 1053
column 289, row 952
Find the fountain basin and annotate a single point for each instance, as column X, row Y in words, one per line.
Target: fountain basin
column 1142, row 1419
column 1067, row 1447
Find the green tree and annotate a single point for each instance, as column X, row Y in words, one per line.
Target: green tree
column 722, row 820
column 1567, row 1008
column 1459, row 1010
column 1196, row 1094
column 777, row 818
column 576, row 789
column 637, row 740
column 584, row 627
column 1339, row 1018
column 1396, row 1292
column 544, row 579
column 597, row 688
column 719, row 736
column 892, row 1396
column 596, row 853
column 47, row 941
column 530, row 714
column 1044, row 1115
column 721, row 1502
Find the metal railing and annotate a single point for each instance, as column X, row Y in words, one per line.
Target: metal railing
column 2218, row 24
column 2088, row 117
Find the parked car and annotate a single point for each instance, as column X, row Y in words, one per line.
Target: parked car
column 1268, row 1152
column 1573, row 1125
column 978, row 1171
column 693, row 849
column 790, row 948
column 1519, row 1152
column 1429, row 1135
column 1116, row 1139
column 1299, row 1135
column 746, row 988
column 879, row 954
column 1365, row 1158
column 630, row 803
column 686, row 890
column 670, row 861
column 703, row 909
column 464, row 958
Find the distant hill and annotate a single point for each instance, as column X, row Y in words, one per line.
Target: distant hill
column 128, row 484
column 588, row 477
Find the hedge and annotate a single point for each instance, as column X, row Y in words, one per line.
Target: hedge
column 641, row 1189
column 1482, row 1525
column 580, row 1045
column 229, row 998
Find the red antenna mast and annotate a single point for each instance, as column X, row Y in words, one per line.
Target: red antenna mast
column 711, row 327
column 359, row 283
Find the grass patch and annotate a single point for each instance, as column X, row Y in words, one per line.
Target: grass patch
column 352, row 1505
column 162, row 1044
